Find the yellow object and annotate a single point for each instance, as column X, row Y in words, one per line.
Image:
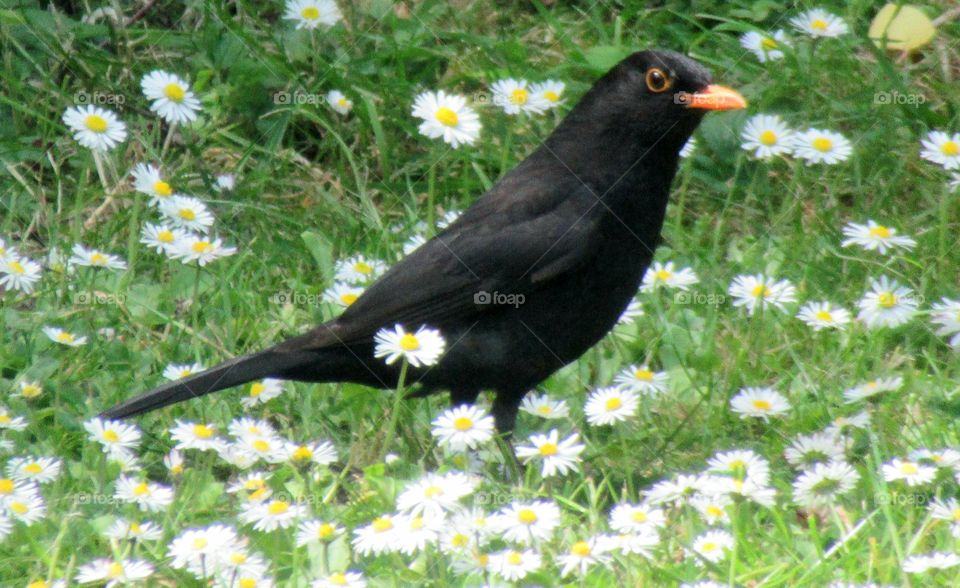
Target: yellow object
column 906, row 29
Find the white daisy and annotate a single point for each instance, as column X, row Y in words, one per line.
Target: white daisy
column 937, row 560
column 63, row 337
column 422, row 348
column 549, row 92
column 416, row 532
column 513, row 565
column 346, row 579
column 261, row 392
column 949, row 511
column 875, row 237
column 820, row 146
column 820, row 447
column 711, row 545
column 819, row 23
column 637, row 518
column 941, row 458
column 95, row 258
column 8, row 421
column 148, row 180
column 739, row 464
column 543, row 406
column 887, row 304
column 171, row 97
column 358, row 269
column 435, row 494
column 39, row 470
column 463, row 427
column 122, row 529
column 766, row 135
column 413, row 243
column 759, row 292
column 187, row 212
column 225, row 182
column 942, row 148
column 765, row 47
column 338, row 102
column 514, row 97
column 149, row 496
column 269, row 515
column 868, row 389
column 310, row 14
column 824, row 483
column 30, row 389
column 631, row 313
column 201, row 249
column 342, row 294
column 667, row 275
column 759, row 402
column 946, row 316
column 194, row 549
column 606, row 406
column 688, row 148
column 162, row 238
column 200, row 436
column 954, row 183
column 642, row 380
column 447, row 116
column 7, row 252
column 94, row 127
column 911, row 472
column 178, row 371
column 823, row 315
column 527, row 522
column 860, row 420
column 313, row 531
column 113, row 572
column 558, row 457
column 380, row 536
column 584, row 554
column 114, row 436
column 712, row 507
column 318, row 452
column 19, row 274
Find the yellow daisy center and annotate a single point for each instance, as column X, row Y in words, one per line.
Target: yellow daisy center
column 38, row 584
column 19, row 507
column 115, row 570
column 409, row 342
column 463, row 424
column 527, row 516
column 548, row 449
column 519, row 96
column 33, row 468
column 818, row 24
column 714, row 511
column 111, row 436
column 708, row 547
column 639, row 516
column 643, row 374
column 165, row 236
column 613, row 403
column 381, row 524
column 247, row 583
column 203, row 431
column 483, row 560
column 580, row 548
column 65, row 337
column 515, row 558
column 551, row 96
column 199, row 543
column 98, row 259
column 95, row 123
column 6, row 486
column 261, row 445
column 278, row 508
column 459, row 540
column 174, row 92
column 432, row 491
column 338, row 579
column 824, row 316
column 822, row 144
column 417, row 523
column 162, row 188
column 202, row 246
column 909, row 468
column 447, row 117
column 768, row 138
column 187, row 214
column 325, row 531
column 5, row 418
column 761, row 404
column 363, row 267
column 880, row 231
column 301, row 453
column 663, row 275
column 31, row 391
column 887, row 299
column 951, row 148
column 343, row 102
column 956, row 514
column 310, row 13
column 135, row 528
column 348, row 298
column 17, row 267
column 768, row 44
column 238, row 558
column 257, row 389
column 141, row 489
column 544, row 409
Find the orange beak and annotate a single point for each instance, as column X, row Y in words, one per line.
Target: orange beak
column 715, row 97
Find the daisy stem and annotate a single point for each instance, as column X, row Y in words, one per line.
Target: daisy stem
column 194, row 300
column 505, row 153
column 431, row 190
column 98, row 161
column 166, row 142
column 394, row 412
column 944, row 222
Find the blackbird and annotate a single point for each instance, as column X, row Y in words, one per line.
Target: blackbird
column 564, row 238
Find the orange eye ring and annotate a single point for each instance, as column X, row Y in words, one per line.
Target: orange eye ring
column 657, row 80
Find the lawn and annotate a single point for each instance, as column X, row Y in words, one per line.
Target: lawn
column 730, row 429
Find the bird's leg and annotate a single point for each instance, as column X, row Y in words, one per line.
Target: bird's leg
column 505, row 407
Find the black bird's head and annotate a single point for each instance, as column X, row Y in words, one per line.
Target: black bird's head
column 647, row 105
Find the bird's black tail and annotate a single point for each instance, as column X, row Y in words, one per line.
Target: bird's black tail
column 230, row 373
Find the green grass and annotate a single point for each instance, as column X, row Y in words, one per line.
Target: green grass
column 314, row 187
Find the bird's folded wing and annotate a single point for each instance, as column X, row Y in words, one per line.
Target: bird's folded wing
column 446, row 280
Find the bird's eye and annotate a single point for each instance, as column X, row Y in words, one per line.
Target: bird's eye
column 657, row 80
